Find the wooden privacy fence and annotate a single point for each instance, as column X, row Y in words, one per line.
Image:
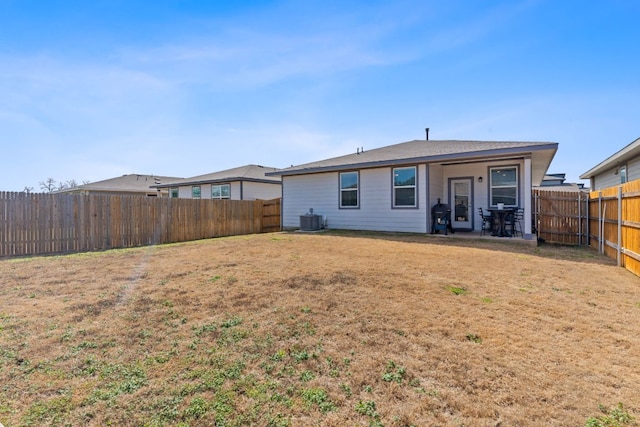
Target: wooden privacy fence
column 614, row 223
column 560, row 216
column 32, row 224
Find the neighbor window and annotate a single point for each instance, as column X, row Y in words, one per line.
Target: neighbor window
column 623, row 174
column 220, row 191
column 349, row 189
column 195, row 192
column 173, row 193
column 504, row 186
column 404, row 187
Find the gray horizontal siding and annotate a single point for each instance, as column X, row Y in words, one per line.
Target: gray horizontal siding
column 321, row 192
column 633, row 169
column 260, row 190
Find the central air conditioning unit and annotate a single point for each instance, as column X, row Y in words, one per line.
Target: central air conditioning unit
column 310, row 222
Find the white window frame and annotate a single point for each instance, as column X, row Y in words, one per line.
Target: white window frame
column 194, row 189
column 622, row 170
column 344, row 190
column 413, row 186
column 515, row 186
column 221, row 195
column 174, row 192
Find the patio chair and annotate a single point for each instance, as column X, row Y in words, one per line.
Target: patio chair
column 514, row 222
column 487, row 222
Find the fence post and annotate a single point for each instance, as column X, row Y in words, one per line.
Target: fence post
column 579, row 219
column 588, row 219
column 536, row 212
column 619, row 259
column 600, row 223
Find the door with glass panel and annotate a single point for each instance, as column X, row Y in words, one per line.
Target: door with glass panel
column 461, row 209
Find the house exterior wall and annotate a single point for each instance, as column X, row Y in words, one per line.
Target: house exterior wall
column 239, row 191
column 321, row 193
column 439, row 177
column 633, row 169
column 606, row 179
column 436, row 184
column 611, row 178
column 184, row 192
column 260, row 190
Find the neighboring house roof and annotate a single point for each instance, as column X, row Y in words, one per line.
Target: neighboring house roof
column 568, row 186
column 432, row 151
column 629, row 152
column 254, row 173
column 132, row 183
column 553, row 179
column 556, row 182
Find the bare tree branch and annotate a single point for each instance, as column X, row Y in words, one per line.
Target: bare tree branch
column 48, row 186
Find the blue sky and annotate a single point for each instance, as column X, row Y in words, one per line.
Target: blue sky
column 91, row 90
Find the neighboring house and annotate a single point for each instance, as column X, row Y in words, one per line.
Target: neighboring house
column 393, row 188
column 242, row 183
column 553, row 180
column 556, row 182
column 617, row 169
column 132, row 184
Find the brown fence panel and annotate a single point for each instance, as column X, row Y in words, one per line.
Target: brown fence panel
column 32, row 224
column 271, row 215
column 614, row 223
column 631, row 226
column 560, row 216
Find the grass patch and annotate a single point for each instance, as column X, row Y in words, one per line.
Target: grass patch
column 474, row 338
column 457, row 290
column 612, row 417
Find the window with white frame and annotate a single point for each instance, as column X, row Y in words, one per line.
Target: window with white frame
column 222, row 191
column 623, row 174
column 173, row 192
column 404, row 187
column 504, row 186
column 195, row 192
column 349, row 184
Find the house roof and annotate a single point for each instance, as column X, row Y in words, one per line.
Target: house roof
column 432, row 151
column 627, row 153
column 131, row 183
column 254, row 173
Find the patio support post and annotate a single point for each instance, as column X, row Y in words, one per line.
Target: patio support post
column 527, row 198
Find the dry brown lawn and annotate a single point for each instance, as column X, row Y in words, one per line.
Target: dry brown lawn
column 327, row 329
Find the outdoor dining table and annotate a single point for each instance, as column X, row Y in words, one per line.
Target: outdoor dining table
column 499, row 221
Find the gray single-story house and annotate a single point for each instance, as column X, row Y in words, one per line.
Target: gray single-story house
column 131, row 184
column 248, row 182
column 393, row 188
column 619, row 168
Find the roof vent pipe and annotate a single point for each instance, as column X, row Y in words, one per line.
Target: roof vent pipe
column 427, row 132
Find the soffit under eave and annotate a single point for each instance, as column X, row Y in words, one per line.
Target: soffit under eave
column 540, row 162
